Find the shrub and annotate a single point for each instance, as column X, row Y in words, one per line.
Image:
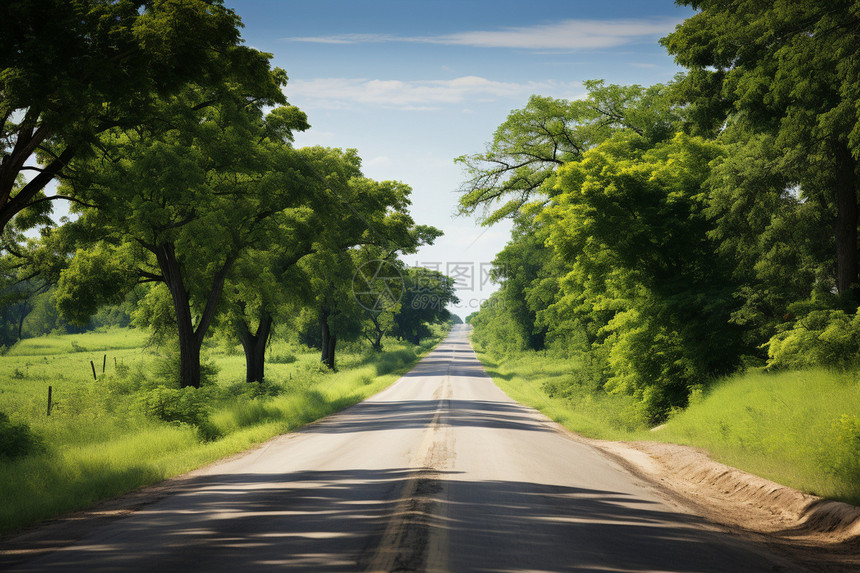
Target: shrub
column 17, row 440
column 828, row 338
column 180, row 405
column 286, row 358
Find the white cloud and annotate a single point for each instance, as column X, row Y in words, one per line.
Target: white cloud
column 379, row 161
column 416, row 95
column 564, row 35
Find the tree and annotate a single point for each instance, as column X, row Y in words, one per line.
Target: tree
column 312, row 257
column 778, row 240
column 426, row 295
column 519, row 165
column 179, row 205
column 373, row 225
column 786, row 69
column 337, row 315
column 520, row 268
column 72, row 70
column 29, row 268
column 665, row 292
column 265, row 279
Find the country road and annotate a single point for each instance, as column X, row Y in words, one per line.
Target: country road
column 440, row 472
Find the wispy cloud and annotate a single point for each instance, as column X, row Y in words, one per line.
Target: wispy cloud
column 564, row 35
column 341, row 93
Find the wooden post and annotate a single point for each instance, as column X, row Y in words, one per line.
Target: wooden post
column 114, row 361
column 94, row 369
column 104, row 362
column 49, row 399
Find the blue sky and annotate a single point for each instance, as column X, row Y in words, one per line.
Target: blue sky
column 414, row 84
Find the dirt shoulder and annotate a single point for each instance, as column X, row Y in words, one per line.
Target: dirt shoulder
column 823, row 534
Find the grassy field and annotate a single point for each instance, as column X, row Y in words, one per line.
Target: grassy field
column 128, row 428
column 801, row 429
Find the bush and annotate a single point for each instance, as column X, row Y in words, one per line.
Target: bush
column 829, row 338
column 179, row 405
column 17, row 440
column 286, row 358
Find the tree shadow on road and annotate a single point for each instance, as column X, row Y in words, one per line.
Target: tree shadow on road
column 333, row 521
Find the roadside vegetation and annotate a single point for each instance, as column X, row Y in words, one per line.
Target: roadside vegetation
column 194, row 219
column 684, row 256
column 131, row 428
column 798, row 428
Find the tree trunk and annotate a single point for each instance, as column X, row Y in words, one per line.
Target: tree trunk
column 846, row 224
column 25, row 310
column 255, row 347
column 325, row 336
column 189, row 359
column 329, row 340
column 332, row 344
column 190, row 338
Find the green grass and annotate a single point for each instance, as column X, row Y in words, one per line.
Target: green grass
column 525, row 376
column 98, row 443
column 801, row 429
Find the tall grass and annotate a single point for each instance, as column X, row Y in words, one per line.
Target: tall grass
column 99, row 442
column 801, row 429
column 545, row 383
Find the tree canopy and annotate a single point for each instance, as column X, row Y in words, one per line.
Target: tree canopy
column 72, row 70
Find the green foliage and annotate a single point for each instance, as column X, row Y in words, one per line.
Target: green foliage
column 184, row 405
column 17, row 440
column 426, row 294
column 519, row 165
column 656, row 299
column 95, row 277
column 778, row 70
column 180, row 405
column 828, row 338
column 617, row 261
column 72, row 69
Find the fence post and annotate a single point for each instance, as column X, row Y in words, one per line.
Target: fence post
column 104, row 362
column 49, row 399
column 94, row 369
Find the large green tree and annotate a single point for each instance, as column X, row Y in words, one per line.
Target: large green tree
column 178, row 205
column 787, row 69
column 519, row 165
column 374, row 225
column 70, row 70
column 665, row 293
column 266, row 284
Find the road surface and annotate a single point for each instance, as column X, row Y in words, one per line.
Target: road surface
column 440, row 472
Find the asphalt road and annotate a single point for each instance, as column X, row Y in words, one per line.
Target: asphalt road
column 440, row 472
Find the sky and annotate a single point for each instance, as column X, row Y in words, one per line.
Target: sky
column 414, row 84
